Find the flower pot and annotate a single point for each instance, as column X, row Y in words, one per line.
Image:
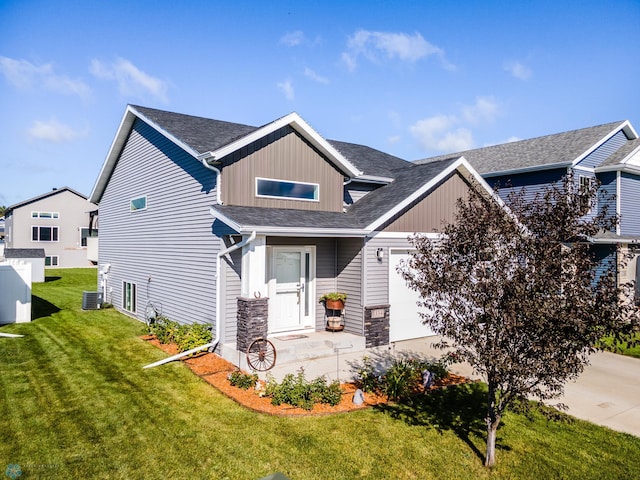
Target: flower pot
column 334, row 304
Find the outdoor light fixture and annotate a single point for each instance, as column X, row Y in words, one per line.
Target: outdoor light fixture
column 380, row 254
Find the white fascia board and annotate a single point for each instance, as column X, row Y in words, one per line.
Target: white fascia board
column 117, row 145
column 625, row 126
column 462, row 165
column 534, row 168
column 403, row 235
column 226, row 220
column 302, row 127
column 374, row 179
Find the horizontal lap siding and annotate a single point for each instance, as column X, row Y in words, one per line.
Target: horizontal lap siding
column 231, row 266
column 629, row 204
column 349, row 281
column 604, row 151
column 533, row 183
column 167, row 250
column 607, row 197
column 376, row 271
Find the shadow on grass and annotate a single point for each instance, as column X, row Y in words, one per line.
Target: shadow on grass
column 460, row 409
column 51, row 279
column 41, row 308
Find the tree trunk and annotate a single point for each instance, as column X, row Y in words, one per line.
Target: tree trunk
column 492, row 420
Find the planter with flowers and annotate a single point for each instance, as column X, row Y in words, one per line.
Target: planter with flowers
column 334, row 306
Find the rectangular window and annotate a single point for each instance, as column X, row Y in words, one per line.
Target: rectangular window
column 266, row 187
column 45, row 215
column 84, row 233
column 586, row 184
column 139, row 203
column 129, row 297
column 51, row 261
column 44, row 234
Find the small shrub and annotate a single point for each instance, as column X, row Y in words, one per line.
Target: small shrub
column 192, row 336
column 296, row 391
column 242, row 380
column 368, row 379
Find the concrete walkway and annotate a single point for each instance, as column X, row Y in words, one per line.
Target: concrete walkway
column 607, row 393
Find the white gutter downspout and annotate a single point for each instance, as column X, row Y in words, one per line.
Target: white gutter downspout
column 216, row 337
column 204, row 159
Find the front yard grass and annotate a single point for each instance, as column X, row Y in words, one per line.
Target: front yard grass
column 76, row 403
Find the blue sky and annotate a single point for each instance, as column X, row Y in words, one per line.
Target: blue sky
column 414, row 79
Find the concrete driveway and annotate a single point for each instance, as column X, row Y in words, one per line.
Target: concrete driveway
column 607, row 393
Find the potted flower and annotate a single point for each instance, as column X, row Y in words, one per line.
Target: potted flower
column 334, row 300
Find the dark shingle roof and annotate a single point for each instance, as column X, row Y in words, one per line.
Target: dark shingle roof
column 24, row 253
column 201, row 134
column 560, row 148
column 206, row 135
column 369, row 160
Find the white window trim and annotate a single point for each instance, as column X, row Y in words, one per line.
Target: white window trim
column 135, row 296
column 317, row 189
column 38, row 214
column 132, row 210
column 51, row 257
column 45, row 226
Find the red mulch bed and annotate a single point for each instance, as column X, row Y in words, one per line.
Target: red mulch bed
column 215, row 370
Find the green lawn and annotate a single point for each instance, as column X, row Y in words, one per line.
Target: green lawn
column 76, row 403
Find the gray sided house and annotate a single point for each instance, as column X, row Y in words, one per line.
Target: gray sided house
column 265, row 220
column 609, row 154
column 57, row 221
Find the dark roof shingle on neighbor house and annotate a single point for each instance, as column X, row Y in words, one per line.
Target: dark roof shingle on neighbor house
column 557, row 149
column 24, row 253
column 55, row 191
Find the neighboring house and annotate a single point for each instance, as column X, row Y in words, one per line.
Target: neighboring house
column 57, row 221
column 607, row 153
column 2, row 229
column 264, row 221
column 35, row 257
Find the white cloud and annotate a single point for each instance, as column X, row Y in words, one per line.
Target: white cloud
column 394, row 139
column 287, row 89
column 314, row 76
column 440, row 133
column 293, row 39
column 26, row 75
column 484, row 110
column 130, row 79
column 378, row 46
column 54, row 131
column 518, row 70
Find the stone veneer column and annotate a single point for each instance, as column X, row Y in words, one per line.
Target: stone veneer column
column 253, row 315
column 376, row 325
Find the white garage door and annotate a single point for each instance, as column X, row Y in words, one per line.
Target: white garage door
column 405, row 323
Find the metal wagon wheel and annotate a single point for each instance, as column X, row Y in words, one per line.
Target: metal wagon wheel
column 261, row 355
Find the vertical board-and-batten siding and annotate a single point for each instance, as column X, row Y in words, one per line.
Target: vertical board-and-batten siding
column 284, row 155
column 434, row 210
column 604, row 151
column 168, row 250
column 629, row 204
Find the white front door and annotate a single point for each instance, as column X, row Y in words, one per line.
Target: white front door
column 291, row 285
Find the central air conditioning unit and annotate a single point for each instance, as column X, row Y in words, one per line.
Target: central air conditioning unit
column 91, row 300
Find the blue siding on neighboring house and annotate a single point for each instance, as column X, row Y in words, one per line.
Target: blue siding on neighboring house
column 532, row 182
column 607, row 193
column 606, row 255
column 604, row 151
column 629, row 204
column 168, row 250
